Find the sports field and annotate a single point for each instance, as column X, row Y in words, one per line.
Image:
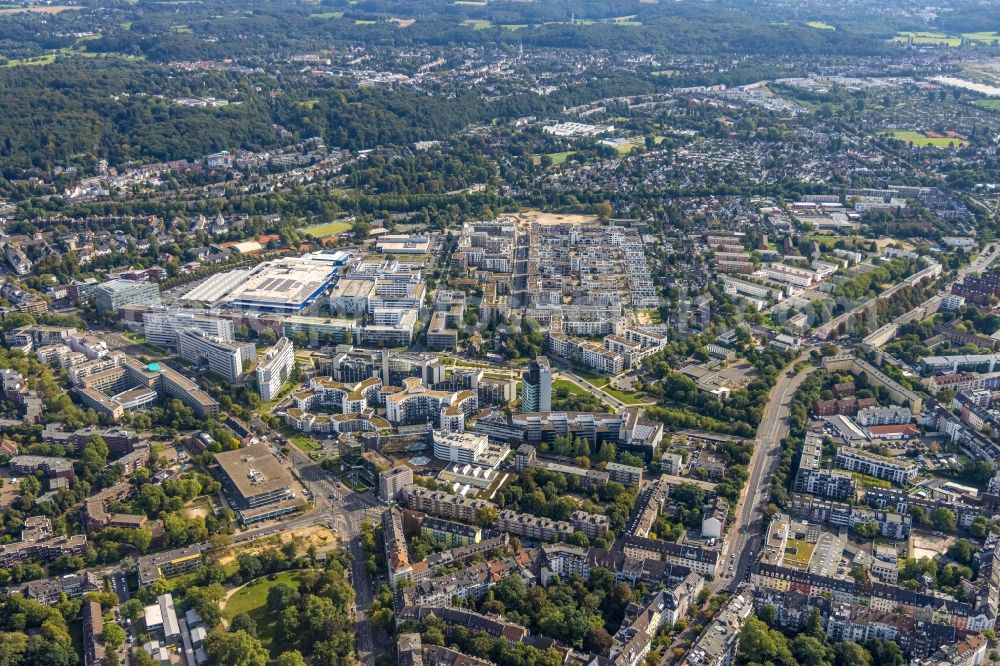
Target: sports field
column 923, row 141
column 329, row 229
column 820, row 25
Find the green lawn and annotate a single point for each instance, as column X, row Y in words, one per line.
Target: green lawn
column 252, row 600
column 266, row 407
column 46, row 59
column 989, row 37
column 364, row 22
column 573, row 389
column 628, row 397
column 590, row 377
column 820, row 25
column 928, row 38
column 329, row 229
column 991, row 104
column 626, row 148
column 327, row 15
column 477, row 24
column 304, row 443
column 514, row 26
column 654, row 316
column 559, row 158
column 870, row 481
column 921, row 141
column 299, row 440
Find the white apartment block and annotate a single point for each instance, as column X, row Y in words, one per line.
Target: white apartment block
column 459, row 447
column 391, row 327
column 80, row 371
column 275, row 369
column 897, row 471
column 644, row 338
column 880, row 416
column 797, row 277
column 162, row 326
column 600, row 359
column 744, row 288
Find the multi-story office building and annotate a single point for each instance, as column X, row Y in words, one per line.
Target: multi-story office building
column 391, row 482
column 536, row 386
column 275, row 369
column 225, row 359
column 390, row 326
column 259, row 486
column 439, row 334
column 113, row 294
column 459, row 447
column 162, row 326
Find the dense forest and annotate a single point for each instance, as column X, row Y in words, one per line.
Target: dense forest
column 70, row 110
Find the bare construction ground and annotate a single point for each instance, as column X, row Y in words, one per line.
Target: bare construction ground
column 551, row 219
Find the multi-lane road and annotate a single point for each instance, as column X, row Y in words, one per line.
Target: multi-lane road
column 747, row 529
column 343, row 510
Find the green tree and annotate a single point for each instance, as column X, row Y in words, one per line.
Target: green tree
column 486, row 516
column 604, row 211
column 849, row 653
column 243, row 622
column 236, row 649
column 292, row 658
column 943, row 519
column 114, row 636
column 280, row 597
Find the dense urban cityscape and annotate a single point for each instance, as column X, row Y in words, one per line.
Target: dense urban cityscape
column 498, row 332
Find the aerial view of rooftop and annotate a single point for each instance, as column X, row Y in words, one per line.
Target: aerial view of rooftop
column 471, row 332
